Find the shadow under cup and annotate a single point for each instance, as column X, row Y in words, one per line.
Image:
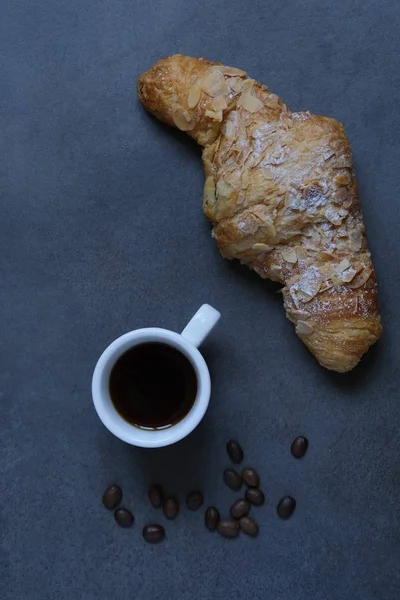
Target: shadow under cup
column 108, row 414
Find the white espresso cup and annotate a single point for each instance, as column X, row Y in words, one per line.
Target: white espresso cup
column 186, row 342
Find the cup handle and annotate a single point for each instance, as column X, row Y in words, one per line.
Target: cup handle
column 201, row 324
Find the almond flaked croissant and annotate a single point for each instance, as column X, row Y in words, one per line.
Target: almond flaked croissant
column 281, row 195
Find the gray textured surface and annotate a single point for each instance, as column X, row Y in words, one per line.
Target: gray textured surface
column 102, row 232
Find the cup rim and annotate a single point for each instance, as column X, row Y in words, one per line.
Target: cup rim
column 108, row 414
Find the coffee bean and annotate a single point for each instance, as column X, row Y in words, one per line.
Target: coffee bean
column 171, row 508
column 156, row 495
column 123, row 517
column 234, row 451
column 232, row 479
column 239, row 509
column 299, row 446
column 153, row 533
column 211, row 518
column 228, row 528
column 194, row 500
column 249, row 526
column 250, row 477
column 255, row 496
column 112, row 497
column 286, row 507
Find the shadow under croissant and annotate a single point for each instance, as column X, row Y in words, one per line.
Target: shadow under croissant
column 190, row 146
column 250, row 278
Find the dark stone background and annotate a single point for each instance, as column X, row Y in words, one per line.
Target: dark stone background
column 102, row 232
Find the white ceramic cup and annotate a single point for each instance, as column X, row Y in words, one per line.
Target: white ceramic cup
column 187, row 342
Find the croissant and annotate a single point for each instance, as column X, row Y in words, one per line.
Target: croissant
column 282, row 198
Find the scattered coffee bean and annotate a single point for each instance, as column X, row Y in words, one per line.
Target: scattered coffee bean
column 156, row 495
column 286, row 507
column 250, row 477
column 234, row 451
column 194, row 500
column 239, row 509
column 255, row 496
column 228, row 528
column 232, row 479
column 123, row 517
column 299, row 446
column 112, row 497
column 171, row 508
column 211, row 518
column 153, row 533
column 249, row 526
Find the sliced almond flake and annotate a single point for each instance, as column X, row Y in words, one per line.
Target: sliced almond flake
column 360, row 279
column 327, row 271
column 245, row 180
column 290, row 255
column 182, row 120
column 231, row 71
column 215, row 115
column 262, row 247
column 219, row 103
column 293, row 295
column 223, row 189
column 343, row 265
column 269, row 229
column 273, row 99
column 209, row 191
column 347, row 203
column 194, row 96
column 214, row 84
column 340, row 195
column 327, row 255
column 250, row 103
column 229, row 130
column 235, row 84
column 356, row 239
column 303, row 328
column 248, row 85
column 348, row 275
column 301, row 253
column 343, row 179
column 327, row 285
column 288, row 234
column 332, row 215
column 275, row 273
column 309, row 284
column 341, row 232
column 328, row 154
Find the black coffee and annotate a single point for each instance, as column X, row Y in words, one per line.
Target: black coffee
column 153, row 386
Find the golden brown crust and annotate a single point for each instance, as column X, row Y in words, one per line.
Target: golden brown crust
column 282, row 197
